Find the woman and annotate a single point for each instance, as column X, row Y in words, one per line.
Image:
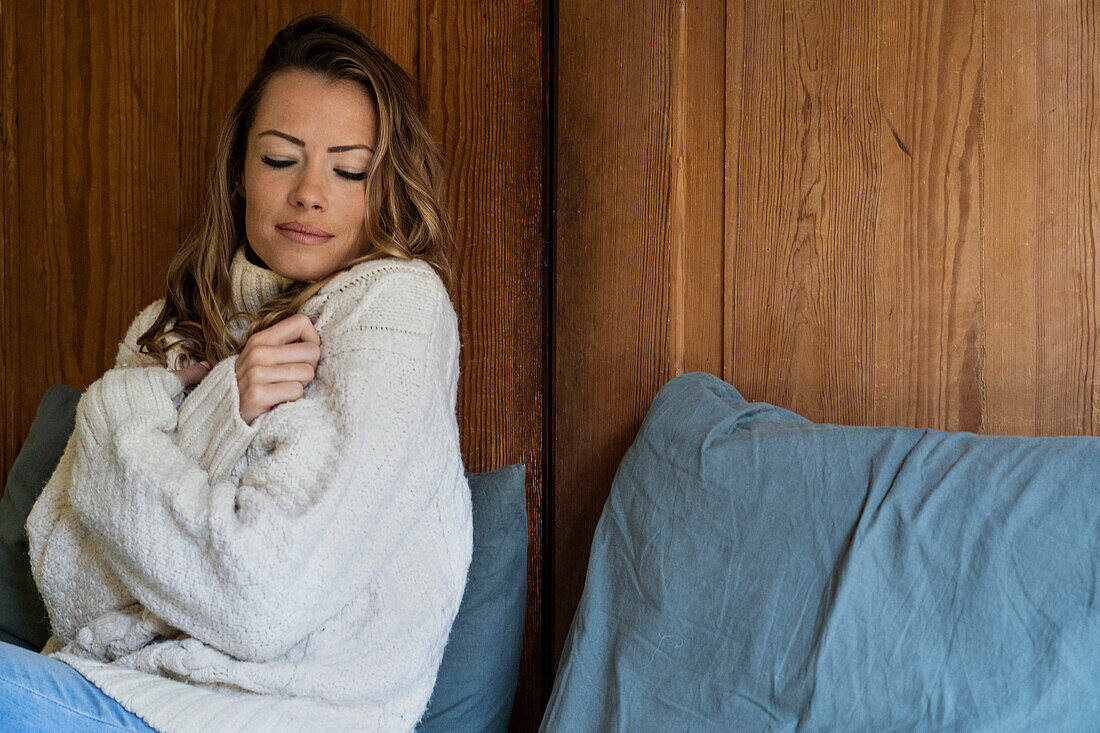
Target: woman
column 278, row 541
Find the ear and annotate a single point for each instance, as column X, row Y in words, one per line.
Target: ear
column 238, row 188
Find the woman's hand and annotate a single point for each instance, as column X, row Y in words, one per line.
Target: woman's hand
column 191, row 374
column 276, row 365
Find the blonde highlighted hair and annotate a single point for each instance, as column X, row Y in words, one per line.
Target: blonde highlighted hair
column 405, row 217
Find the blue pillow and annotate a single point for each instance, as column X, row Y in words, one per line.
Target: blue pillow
column 477, row 678
column 476, row 684
column 753, row 570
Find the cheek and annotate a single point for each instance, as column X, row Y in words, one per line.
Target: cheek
column 354, row 208
column 259, row 185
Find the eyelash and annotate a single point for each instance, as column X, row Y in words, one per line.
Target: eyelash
column 284, row 163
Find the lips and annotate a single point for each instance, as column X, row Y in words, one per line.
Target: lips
column 297, row 226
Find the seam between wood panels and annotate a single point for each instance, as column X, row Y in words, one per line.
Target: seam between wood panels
column 549, row 55
column 982, row 329
column 725, row 264
column 179, row 126
column 677, row 202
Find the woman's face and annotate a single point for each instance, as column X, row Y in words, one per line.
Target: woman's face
column 304, row 180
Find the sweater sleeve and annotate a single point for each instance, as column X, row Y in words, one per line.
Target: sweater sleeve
column 210, row 427
column 72, row 577
column 252, row 567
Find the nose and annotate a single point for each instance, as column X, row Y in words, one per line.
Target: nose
column 309, row 191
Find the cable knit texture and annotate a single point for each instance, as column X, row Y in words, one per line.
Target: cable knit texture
column 299, row 573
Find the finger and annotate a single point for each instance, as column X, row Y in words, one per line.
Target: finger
column 269, row 395
column 299, row 351
column 297, row 327
column 275, row 374
column 192, row 374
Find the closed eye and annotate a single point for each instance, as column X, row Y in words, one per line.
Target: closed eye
column 349, row 175
column 276, row 163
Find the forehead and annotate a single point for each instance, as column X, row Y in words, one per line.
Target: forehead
column 316, row 109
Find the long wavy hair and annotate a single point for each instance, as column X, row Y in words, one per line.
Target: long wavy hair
column 405, row 216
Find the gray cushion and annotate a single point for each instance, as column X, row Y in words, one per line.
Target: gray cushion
column 23, row 619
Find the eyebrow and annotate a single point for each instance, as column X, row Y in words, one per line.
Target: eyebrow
column 299, row 143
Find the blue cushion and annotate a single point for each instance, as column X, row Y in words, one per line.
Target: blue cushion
column 752, row 570
column 477, row 678
column 476, row 683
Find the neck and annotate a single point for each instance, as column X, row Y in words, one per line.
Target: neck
column 252, row 257
column 253, row 283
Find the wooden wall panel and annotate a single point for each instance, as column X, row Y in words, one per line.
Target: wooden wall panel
column 90, row 187
column 611, row 262
column 15, row 412
column 856, row 250
column 1042, row 185
column 638, row 249
column 481, row 71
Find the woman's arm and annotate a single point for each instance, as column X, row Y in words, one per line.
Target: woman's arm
column 252, row 568
column 76, row 583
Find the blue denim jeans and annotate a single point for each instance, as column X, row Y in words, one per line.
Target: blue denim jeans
column 38, row 694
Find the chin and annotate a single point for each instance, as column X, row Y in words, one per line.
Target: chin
column 295, row 270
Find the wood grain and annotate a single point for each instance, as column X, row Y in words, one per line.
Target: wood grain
column 90, row 186
column 481, row 71
column 611, row 262
column 15, row 418
column 1042, row 188
column 698, row 197
column 639, row 251
column 857, row 294
column 929, row 334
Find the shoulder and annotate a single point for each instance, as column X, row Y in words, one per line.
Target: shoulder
column 147, row 315
column 415, row 276
column 128, row 354
column 403, row 295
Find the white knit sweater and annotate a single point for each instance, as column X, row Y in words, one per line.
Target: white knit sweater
column 301, row 573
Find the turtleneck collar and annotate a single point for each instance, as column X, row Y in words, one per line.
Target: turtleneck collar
column 253, row 285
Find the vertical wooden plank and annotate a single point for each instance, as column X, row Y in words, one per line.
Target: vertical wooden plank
column 638, row 250
column 14, row 420
column 95, row 98
column 930, row 334
column 611, row 299
column 731, row 220
column 857, row 250
column 1041, row 202
column 799, row 335
column 481, row 69
column 698, row 203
